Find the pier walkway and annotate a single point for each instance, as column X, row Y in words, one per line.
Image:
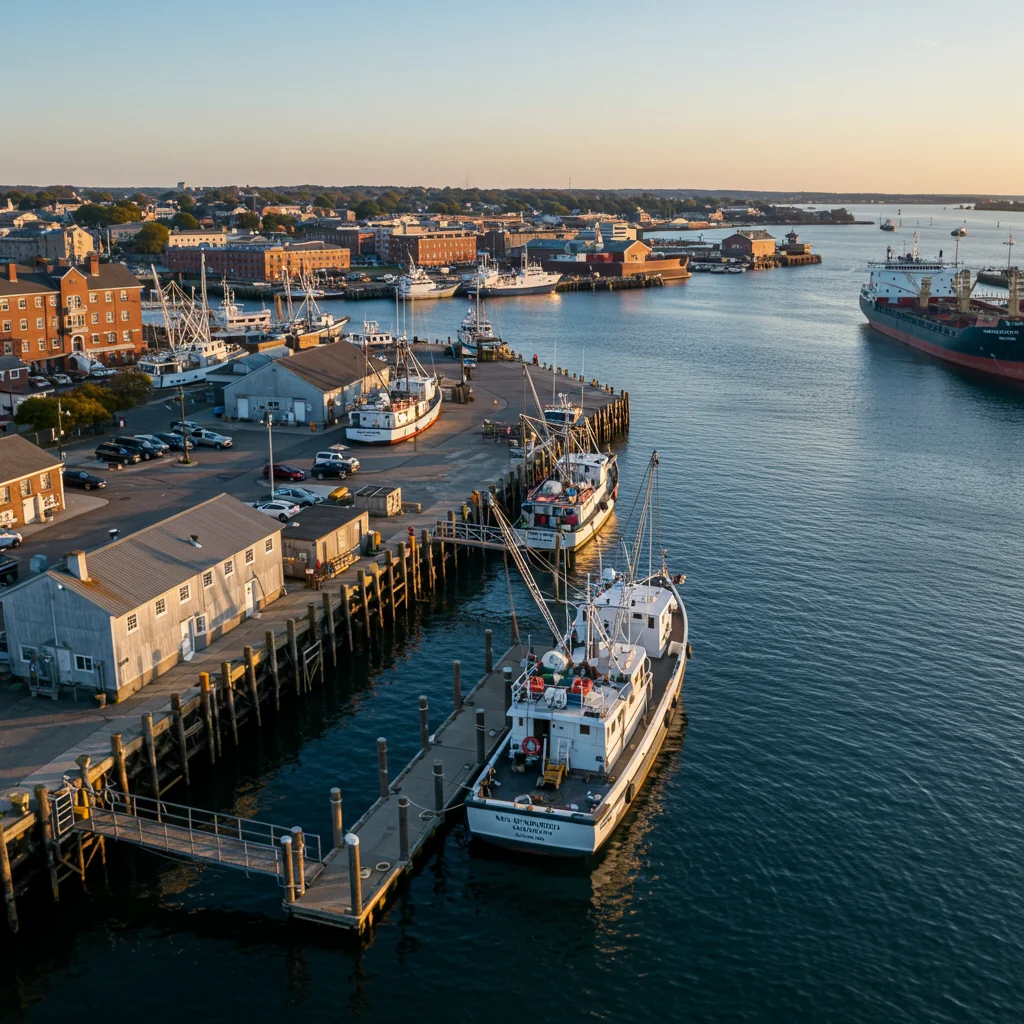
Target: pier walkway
column 378, row 858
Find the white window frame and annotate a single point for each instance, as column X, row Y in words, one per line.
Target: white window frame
column 160, row 607
column 229, row 568
column 208, row 578
column 200, row 622
column 250, row 556
column 184, row 593
column 84, row 663
column 32, row 652
column 268, row 545
column 131, row 622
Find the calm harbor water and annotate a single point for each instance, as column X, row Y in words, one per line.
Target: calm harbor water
column 837, row 835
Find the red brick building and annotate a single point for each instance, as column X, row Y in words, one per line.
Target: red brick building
column 31, row 487
column 432, row 248
column 52, row 310
column 259, row 262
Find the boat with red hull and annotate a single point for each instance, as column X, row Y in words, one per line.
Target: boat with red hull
column 929, row 305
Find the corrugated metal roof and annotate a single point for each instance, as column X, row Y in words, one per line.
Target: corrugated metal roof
column 142, row 566
column 19, row 458
column 328, row 367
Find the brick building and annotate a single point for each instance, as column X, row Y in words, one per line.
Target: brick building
column 216, row 238
column 25, row 245
column 31, row 487
column 259, row 262
column 358, row 241
column 749, row 244
column 432, row 248
column 56, row 309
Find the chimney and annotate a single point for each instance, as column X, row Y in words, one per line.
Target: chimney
column 12, row 271
column 94, row 264
column 76, row 565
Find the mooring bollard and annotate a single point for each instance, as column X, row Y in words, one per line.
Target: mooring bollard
column 424, row 724
column 507, row 673
column 403, row 828
column 382, row 764
column 354, row 880
column 488, row 657
column 457, row 684
column 337, row 834
column 299, row 856
column 289, row 868
column 481, row 737
column 439, row 789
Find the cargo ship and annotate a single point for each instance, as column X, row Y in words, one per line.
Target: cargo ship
column 929, row 305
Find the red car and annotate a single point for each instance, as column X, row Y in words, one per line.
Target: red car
column 284, row 471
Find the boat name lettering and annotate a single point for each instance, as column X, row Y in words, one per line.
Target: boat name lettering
column 527, row 826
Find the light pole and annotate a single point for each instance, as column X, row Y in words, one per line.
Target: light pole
column 184, row 460
column 268, row 419
column 60, row 427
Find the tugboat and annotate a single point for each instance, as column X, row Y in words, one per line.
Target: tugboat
column 887, row 225
column 590, row 715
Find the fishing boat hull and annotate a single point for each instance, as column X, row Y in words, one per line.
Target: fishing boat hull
column 499, row 291
column 395, row 435
column 540, row 539
column 183, row 379
column 557, row 833
column 418, row 293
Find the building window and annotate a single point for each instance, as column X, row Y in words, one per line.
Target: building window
column 7, row 327
column 24, row 325
column 229, row 567
column 268, row 545
column 26, row 488
column 22, row 304
column 200, row 623
column 110, row 316
column 39, row 323
column 41, row 344
column 39, row 302
column 26, row 346
column 112, row 337
column 160, row 607
column 83, row 663
column 53, row 322
column 184, row 592
column 93, row 298
column 124, row 295
column 5, row 304
column 95, row 339
column 108, row 296
column 45, row 482
column 55, row 343
column 28, row 653
column 124, row 314
column 5, row 495
column 249, row 557
column 126, row 336
column 53, row 300
column 584, row 730
column 208, row 579
column 95, row 318
column 133, row 622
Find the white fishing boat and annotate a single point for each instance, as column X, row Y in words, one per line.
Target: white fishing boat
column 529, row 279
column 307, row 319
column 476, row 333
column 418, row 284
column 588, row 717
column 373, row 335
column 233, row 323
column 398, row 411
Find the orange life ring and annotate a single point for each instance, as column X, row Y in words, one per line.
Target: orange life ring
column 531, row 746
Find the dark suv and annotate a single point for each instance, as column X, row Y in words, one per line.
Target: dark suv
column 146, row 449
column 111, row 452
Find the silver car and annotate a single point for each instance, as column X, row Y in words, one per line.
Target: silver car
column 211, row 439
column 10, row 539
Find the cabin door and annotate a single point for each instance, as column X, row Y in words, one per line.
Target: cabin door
column 250, row 598
column 187, row 639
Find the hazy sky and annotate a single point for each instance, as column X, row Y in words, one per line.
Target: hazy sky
column 895, row 96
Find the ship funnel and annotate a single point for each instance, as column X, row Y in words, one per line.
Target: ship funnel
column 963, row 291
column 925, row 294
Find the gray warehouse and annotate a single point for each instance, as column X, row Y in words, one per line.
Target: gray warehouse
column 314, row 386
column 115, row 618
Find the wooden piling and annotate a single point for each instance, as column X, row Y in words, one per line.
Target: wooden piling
column 204, row 699
column 389, row 563
column 403, row 565
column 46, row 833
column 424, row 723
column 378, row 593
column 215, row 701
column 355, row 880
column 414, row 558
column 338, row 834
column 7, row 881
column 382, row 765
column 229, row 697
column 254, row 693
column 457, row 684
column 120, row 768
column 438, row 772
column 455, row 547
column 271, row 647
column 488, row 651
column 428, row 553
column 179, row 732
column 289, row 868
column 346, row 607
column 293, row 654
column 147, row 734
column 329, row 622
column 364, row 595
column 299, row 855
column 403, row 828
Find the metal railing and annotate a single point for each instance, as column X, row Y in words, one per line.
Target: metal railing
column 471, row 532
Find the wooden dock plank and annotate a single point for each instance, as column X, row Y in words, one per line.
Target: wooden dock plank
column 329, row 899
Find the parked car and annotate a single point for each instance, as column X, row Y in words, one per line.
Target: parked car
column 110, row 452
column 329, row 471
column 280, row 509
column 176, row 442
column 10, row 569
column 79, row 478
column 144, row 448
column 155, row 441
column 39, row 382
column 335, row 456
column 61, row 379
column 102, row 373
column 10, row 539
column 284, row 471
column 301, row 497
column 211, row 439
column 354, row 276
column 184, row 426
column 77, row 376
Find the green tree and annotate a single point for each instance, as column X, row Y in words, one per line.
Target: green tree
column 152, row 238
column 278, row 222
column 130, row 388
column 185, row 203
column 124, row 212
column 84, row 411
column 91, row 215
column 38, row 412
column 96, row 393
column 249, row 221
column 141, row 199
column 185, row 221
column 324, row 202
column 367, row 208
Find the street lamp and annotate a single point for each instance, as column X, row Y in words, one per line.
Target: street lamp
column 268, row 420
column 61, row 413
column 184, row 460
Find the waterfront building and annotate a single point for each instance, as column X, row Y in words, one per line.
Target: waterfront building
column 358, row 241
column 215, row 238
column 259, row 262
column 14, row 386
column 53, row 310
column 749, row 244
column 317, row 385
column 432, row 248
column 42, row 240
column 31, row 487
column 115, row 618
column 325, row 534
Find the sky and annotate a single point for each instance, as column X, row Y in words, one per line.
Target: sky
column 888, row 97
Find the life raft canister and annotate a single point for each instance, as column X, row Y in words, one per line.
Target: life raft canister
column 581, row 685
column 531, row 746
column 537, row 684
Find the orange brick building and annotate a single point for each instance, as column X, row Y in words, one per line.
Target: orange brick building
column 50, row 311
column 259, row 262
column 432, row 248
